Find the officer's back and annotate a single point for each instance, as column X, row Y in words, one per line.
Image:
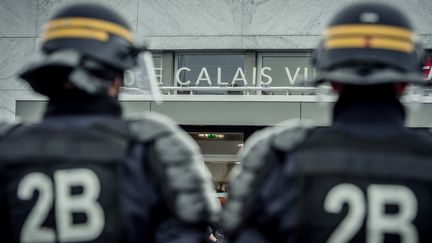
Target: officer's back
column 366, row 178
column 83, row 174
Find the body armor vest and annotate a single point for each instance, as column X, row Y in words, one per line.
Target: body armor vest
column 61, row 185
column 343, row 187
column 360, row 189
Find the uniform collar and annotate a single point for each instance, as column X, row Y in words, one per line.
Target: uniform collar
column 375, row 117
column 82, row 105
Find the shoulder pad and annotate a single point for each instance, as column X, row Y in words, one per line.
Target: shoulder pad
column 256, row 161
column 289, row 134
column 6, row 128
column 149, row 126
column 176, row 159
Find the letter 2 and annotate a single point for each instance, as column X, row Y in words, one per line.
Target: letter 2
column 65, row 205
column 378, row 222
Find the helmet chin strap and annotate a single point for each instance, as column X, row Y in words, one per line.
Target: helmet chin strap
column 81, row 76
column 84, row 80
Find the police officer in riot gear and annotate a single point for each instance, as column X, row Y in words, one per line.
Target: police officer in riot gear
column 366, row 178
column 83, row 174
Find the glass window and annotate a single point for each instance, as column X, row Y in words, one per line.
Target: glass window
column 285, row 69
column 210, row 70
column 427, row 68
column 428, row 65
column 157, row 61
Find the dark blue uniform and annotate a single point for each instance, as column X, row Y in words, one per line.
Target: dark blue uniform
column 85, row 175
column 366, row 178
column 80, row 175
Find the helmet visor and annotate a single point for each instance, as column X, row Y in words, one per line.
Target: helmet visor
column 141, row 79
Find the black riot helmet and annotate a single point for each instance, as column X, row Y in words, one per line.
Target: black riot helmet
column 86, row 44
column 367, row 44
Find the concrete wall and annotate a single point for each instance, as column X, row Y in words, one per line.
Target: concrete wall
column 184, row 25
column 208, row 112
column 254, row 113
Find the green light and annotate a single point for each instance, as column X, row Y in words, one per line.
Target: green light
column 212, row 136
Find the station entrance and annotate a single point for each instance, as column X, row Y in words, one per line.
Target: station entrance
column 220, row 146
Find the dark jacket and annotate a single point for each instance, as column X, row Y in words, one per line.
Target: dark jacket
column 365, row 154
column 142, row 214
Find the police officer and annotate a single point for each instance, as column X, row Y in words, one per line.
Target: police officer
column 365, row 178
column 83, row 174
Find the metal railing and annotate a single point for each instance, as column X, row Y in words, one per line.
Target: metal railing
column 193, row 90
column 228, row 90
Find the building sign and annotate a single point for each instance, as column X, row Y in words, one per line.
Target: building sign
column 298, row 76
column 261, row 77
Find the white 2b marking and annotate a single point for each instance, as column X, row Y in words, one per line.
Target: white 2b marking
column 378, row 222
column 65, row 205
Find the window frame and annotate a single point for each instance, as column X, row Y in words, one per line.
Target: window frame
column 285, row 53
column 178, row 54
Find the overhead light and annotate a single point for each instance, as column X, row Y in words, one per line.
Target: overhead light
column 240, row 145
column 211, row 135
